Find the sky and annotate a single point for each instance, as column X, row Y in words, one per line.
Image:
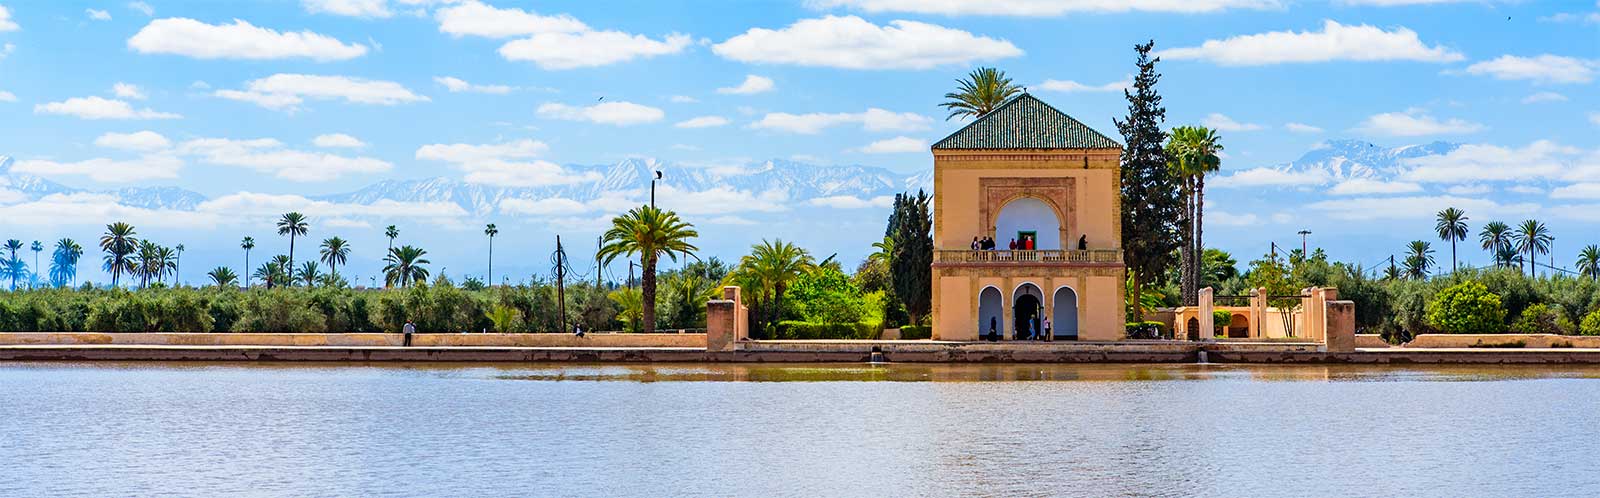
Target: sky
column 260, row 104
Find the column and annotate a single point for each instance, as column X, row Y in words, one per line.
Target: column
column 1207, row 319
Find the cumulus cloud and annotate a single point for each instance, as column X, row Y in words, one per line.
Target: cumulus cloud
column 702, row 122
column 553, row 206
column 252, row 204
column 1416, row 207
column 1336, row 42
column 128, row 91
column 285, row 91
column 146, row 167
column 1070, row 86
column 1471, row 163
column 752, row 85
column 589, row 48
column 240, row 40
column 458, row 85
column 142, row 8
column 507, row 164
column 1221, row 122
column 683, row 99
column 338, row 140
column 1416, row 123
column 6, row 96
column 872, row 119
column 6, row 23
column 349, row 8
column 1366, row 186
column 1301, row 128
column 85, row 209
column 93, row 107
column 1544, row 97
column 850, row 42
column 852, row 202
column 461, row 153
column 1269, row 177
column 895, row 145
column 1043, row 7
column 137, row 141
column 267, row 155
column 96, row 14
column 474, row 18
column 1587, row 190
column 1544, row 68
column 612, row 113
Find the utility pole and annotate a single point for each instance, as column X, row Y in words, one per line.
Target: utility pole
column 1274, row 252
column 598, row 266
column 1392, row 270
column 561, row 282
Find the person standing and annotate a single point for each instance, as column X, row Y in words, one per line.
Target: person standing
column 1047, row 333
column 976, row 244
column 408, row 329
column 1083, row 242
column 993, row 336
column 1013, row 245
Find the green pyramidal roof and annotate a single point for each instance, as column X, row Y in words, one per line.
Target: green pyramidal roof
column 1026, row 122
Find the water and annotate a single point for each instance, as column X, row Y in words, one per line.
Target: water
column 145, row 429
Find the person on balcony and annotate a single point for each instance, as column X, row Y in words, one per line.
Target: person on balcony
column 1083, row 242
column 1027, row 243
column 976, row 244
column 1013, row 245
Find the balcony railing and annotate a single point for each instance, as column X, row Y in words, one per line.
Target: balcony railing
column 1025, row 257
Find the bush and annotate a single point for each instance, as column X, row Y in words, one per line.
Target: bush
column 1591, row 324
column 1541, row 319
column 1467, row 308
column 1145, row 330
column 790, row 329
column 916, row 332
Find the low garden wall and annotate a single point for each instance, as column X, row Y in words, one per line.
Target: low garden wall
column 1502, row 340
column 601, row 340
column 1370, row 341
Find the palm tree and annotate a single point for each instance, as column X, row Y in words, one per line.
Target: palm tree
column 984, row 89
column 1192, row 153
column 14, row 266
column 292, row 224
column 335, row 251
column 1420, row 260
column 650, row 233
column 247, row 244
column 1533, row 238
column 775, row 265
column 1589, row 262
column 148, row 263
column 118, row 242
column 1452, row 227
column 309, row 273
column 271, row 272
column 64, row 262
column 37, row 248
column 221, row 276
column 1495, row 237
column 1507, row 257
column 884, row 250
column 166, row 263
column 405, row 266
column 177, row 267
column 491, row 231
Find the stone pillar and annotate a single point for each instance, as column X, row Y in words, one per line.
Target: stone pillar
column 1207, row 316
column 1341, row 326
column 726, row 321
column 1258, row 312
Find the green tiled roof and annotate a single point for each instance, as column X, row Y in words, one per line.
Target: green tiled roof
column 1026, row 122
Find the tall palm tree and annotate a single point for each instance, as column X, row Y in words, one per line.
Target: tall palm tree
column 405, row 266
column 309, row 273
column 1495, row 237
column 1533, row 238
column 292, row 224
column 1452, row 227
column 1192, row 152
column 148, row 263
column 335, row 251
column 776, row 264
column 37, row 248
column 391, row 232
column 491, row 231
column 1589, row 262
column 984, row 89
column 166, row 264
column 247, row 244
column 118, row 242
column 649, row 232
column 1420, row 259
column 272, row 272
column 64, row 262
column 14, row 266
column 222, row 276
column 177, row 268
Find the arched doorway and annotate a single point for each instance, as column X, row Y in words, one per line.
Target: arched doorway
column 1192, row 328
column 1028, row 216
column 1028, row 305
column 1064, row 314
column 991, row 313
column 1238, row 326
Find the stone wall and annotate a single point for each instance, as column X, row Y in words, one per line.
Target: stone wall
column 1489, row 340
column 359, row 340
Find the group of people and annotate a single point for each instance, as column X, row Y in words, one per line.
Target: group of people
column 1036, row 329
column 987, row 244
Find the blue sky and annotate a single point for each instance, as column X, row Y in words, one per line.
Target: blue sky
column 256, row 104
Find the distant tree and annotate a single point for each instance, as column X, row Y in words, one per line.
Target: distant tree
column 1589, row 262
column 406, row 265
column 177, row 267
column 292, row 224
column 491, row 231
column 118, row 243
column 1493, row 237
column 775, row 265
column 37, row 248
column 1151, row 203
column 64, row 262
column 335, row 251
column 222, row 277
column 911, row 265
column 391, row 232
column 247, row 244
column 1420, row 259
column 983, row 90
column 14, row 266
column 309, row 273
column 650, row 233
column 1452, row 227
column 1533, row 238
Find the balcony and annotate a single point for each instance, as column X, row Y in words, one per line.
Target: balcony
column 1049, row 257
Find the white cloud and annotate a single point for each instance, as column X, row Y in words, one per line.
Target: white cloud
column 613, row 113
column 722, row 200
column 252, row 205
column 873, row 119
column 683, row 99
column 331, row 140
column 1588, row 190
column 147, row 167
column 7, row 49
column 510, row 164
column 350, row 8
column 1301, row 128
column 1043, row 7
column 1525, row 189
column 702, row 122
column 1470, row 189
column 895, row 145
column 1594, row 117
column 6, row 24
column 128, row 91
column 752, row 85
column 457, row 85
column 1416, row 123
column 852, row 202
column 589, row 48
column 98, row 15
column 1544, row 97
column 1073, row 86
column 1394, row 3
column 85, row 209
column 240, row 40
column 6, row 96
column 543, row 207
column 287, row 91
column 1336, row 42
column 473, row 18
column 200, row 85
column 851, row 42
column 464, row 153
column 270, row 156
column 1480, row 163
column 731, row 220
column 1416, row 207
column 144, row 141
column 93, row 107
column 1591, row 18
column 1544, row 68
column 1221, row 122
column 1366, row 186
column 142, row 8
column 1269, row 177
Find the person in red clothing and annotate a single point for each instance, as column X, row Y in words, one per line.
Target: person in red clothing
column 1013, row 245
column 1027, row 243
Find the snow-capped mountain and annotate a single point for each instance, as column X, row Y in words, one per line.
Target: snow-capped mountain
column 1339, row 160
column 33, row 188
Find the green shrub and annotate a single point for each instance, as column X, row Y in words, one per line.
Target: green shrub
column 1146, row 329
column 1466, row 308
column 1541, row 319
column 790, row 329
column 1591, row 324
column 916, row 332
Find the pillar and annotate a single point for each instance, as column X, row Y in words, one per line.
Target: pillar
column 726, row 321
column 1258, row 311
column 1341, row 326
column 1206, row 315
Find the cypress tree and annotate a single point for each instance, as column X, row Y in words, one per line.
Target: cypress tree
column 911, row 265
column 1150, row 201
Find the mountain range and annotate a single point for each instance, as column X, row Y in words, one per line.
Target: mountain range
column 1339, row 160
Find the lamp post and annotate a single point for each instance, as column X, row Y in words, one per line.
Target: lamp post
column 653, row 188
column 1303, row 252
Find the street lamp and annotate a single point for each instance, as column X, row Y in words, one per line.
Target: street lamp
column 653, row 188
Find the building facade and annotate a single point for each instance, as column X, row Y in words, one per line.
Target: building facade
column 1027, row 174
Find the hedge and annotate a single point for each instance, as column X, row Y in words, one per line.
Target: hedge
column 790, row 329
column 916, row 332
